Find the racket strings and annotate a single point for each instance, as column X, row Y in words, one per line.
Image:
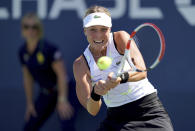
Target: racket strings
column 148, row 43
column 151, row 45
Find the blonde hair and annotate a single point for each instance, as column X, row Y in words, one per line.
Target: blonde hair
column 36, row 19
column 97, row 8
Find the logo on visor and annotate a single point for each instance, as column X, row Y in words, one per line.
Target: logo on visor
column 96, row 16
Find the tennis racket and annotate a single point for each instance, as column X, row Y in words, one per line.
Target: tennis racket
column 150, row 42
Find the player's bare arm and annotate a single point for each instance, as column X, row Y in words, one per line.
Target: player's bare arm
column 121, row 38
column 84, row 86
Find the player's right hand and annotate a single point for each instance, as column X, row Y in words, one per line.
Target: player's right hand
column 100, row 88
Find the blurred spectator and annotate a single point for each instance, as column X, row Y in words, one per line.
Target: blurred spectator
column 42, row 63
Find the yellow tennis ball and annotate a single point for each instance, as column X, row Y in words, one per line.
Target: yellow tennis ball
column 104, row 62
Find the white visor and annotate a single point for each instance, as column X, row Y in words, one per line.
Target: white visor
column 97, row 19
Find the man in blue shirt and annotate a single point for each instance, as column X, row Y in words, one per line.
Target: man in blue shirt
column 42, row 63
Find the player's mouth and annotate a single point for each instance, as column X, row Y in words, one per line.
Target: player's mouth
column 98, row 42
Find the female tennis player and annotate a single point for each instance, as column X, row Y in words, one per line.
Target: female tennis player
column 132, row 101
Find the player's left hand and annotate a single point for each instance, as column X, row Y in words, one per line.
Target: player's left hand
column 111, row 81
column 103, row 86
column 65, row 110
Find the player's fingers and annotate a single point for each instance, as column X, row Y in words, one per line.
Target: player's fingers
column 110, row 75
column 100, row 89
column 118, row 79
column 100, row 85
column 112, row 82
column 101, row 82
column 112, row 78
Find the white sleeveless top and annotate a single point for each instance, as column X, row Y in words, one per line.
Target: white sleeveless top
column 122, row 93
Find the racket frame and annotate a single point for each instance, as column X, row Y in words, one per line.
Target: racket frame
column 127, row 55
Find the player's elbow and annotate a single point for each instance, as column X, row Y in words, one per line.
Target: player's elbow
column 144, row 75
column 93, row 110
column 140, row 76
column 92, row 113
column 93, row 107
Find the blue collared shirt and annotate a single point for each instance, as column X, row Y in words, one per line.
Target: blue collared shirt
column 39, row 63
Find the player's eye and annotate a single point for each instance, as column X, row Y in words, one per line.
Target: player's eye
column 93, row 30
column 104, row 29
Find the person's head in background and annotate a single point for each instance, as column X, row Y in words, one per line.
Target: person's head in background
column 97, row 26
column 32, row 29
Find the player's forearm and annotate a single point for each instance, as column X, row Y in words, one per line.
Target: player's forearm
column 136, row 76
column 93, row 107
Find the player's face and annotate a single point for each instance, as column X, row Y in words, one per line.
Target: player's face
column 30, row 29
column 97, row 35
